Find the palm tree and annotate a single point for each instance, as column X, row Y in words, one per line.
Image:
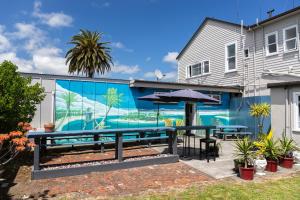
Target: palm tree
column 69, row 98
column 113, row 99
column 89, row 55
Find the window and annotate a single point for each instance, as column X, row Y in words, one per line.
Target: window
column 290, row 38
column 194, row 70
column 198, row 69
column 230, row 57
column 246, row 53
column 206, row 67
column 271, row 43
column 296, row 101
column 215, row 96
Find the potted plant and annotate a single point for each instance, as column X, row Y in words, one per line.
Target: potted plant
column 260, row 111
column 260, row 161
column 286, row 150
column 49, row 127
column 272, row 153
column 244, row 150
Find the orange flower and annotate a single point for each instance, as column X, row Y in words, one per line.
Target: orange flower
column 20, row 141
column 30, row 144
column 15, row 134
column 20, row 148
column 3, row 137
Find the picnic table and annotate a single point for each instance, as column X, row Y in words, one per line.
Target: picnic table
column 232, row 130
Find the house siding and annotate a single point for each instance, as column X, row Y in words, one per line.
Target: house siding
column 210, row 42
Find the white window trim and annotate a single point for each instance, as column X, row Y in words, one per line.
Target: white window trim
column 296, row 111
column 214, row 103
column 226, row 63
column 284, row 40
column 248, row 53
column 188, row 68
column 203, row 73
column 267, row 44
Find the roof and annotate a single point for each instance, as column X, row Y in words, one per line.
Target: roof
column 200, row 28
column 178, row 86
column 276, row 17
column 253, row 26
column 283, row 84
column 70, row 77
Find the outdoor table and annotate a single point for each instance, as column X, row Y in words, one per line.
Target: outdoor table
column 189, row 128
column 40, row 135
column 235, row 129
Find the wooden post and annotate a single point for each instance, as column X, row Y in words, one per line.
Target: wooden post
column 174, row 142
column 36, row 158
column 120, row 147
column 96, row 139
column 170, row 141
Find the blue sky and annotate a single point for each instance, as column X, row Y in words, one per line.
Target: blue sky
column 145, row 34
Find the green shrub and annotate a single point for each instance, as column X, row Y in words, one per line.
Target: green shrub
column 18, row 98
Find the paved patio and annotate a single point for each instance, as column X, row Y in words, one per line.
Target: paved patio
column 104, row 184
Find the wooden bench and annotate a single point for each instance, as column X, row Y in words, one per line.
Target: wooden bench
column 96, row 139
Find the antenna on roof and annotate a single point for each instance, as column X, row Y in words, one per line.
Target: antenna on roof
column 270, row 13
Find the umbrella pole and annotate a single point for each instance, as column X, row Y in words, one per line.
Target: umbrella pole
column 157, row 115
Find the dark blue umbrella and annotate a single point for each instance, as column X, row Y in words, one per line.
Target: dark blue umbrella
column 157, row 100
column 187, row 95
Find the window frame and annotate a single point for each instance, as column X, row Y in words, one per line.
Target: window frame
column 248, row 53
column 214, row 103
column 296, row 102
column 267, row 43
column 189, row 68
column 227, row 70
column 285, row 40
column 205, row 73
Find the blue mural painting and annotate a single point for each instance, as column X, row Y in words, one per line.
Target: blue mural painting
column 86, row 105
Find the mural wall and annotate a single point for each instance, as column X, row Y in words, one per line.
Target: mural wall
column 83, row 105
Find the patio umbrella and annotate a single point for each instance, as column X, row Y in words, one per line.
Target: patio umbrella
column 157, row 100
column 187, row 95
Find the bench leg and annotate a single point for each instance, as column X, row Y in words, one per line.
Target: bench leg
column 36, row 159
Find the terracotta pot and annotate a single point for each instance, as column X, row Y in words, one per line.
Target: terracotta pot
column 287, row 162
column 49, row 127
column 246, row 173
column 272, row 165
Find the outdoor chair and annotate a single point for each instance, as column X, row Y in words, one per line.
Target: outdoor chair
column 207, row 142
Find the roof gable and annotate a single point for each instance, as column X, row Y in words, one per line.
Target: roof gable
column 202, row 25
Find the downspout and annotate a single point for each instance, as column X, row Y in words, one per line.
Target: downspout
column 254, row 52
column 243, row 52
column 285, row 110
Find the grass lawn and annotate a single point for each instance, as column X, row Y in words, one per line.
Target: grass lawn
column 286, row 188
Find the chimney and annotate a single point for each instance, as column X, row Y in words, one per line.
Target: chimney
column 270, row 13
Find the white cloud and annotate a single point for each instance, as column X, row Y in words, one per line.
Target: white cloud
column 23, row 64
column 54, row 19
column 149, row 75
column 33, row 36
column 120, row 45
column 125, row 69
column 171, row 57
column 4, row 42
column 49, row 60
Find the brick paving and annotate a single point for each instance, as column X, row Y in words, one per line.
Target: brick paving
column 106, row 184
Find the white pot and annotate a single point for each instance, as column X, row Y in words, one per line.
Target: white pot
column 260, row 165
column 296, row 155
